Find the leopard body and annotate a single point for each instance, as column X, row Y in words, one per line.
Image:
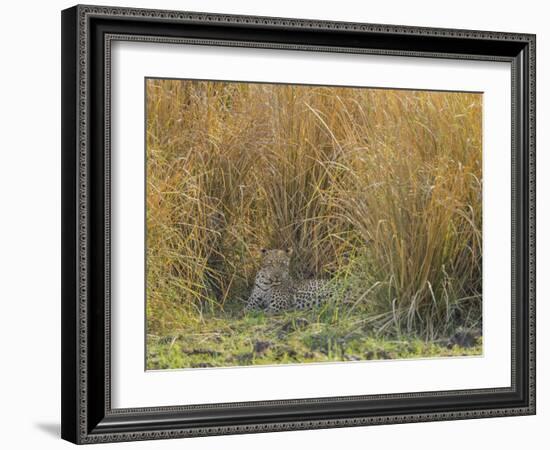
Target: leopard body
column 275, row 291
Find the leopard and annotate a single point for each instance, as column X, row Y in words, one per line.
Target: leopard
column 275, row 290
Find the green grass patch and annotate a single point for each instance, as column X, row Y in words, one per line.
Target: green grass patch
column 291, row 338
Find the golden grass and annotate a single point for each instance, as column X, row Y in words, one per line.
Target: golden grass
column 383, row 186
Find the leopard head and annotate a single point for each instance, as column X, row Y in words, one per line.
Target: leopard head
column 275, row 267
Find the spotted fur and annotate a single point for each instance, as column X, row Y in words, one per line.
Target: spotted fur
column 274, row 290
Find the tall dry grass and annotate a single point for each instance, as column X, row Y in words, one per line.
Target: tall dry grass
column 380, row 186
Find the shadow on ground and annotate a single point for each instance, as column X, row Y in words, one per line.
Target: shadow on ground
column 53, row 429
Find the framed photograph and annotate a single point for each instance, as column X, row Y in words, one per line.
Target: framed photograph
column 281, row 224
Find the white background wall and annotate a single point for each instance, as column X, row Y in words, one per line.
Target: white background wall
column 30, row 223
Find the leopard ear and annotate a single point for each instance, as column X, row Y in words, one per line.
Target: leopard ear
column 263, row 251
column 289, row 251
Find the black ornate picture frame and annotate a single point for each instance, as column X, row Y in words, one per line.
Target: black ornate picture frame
column 87, row 35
